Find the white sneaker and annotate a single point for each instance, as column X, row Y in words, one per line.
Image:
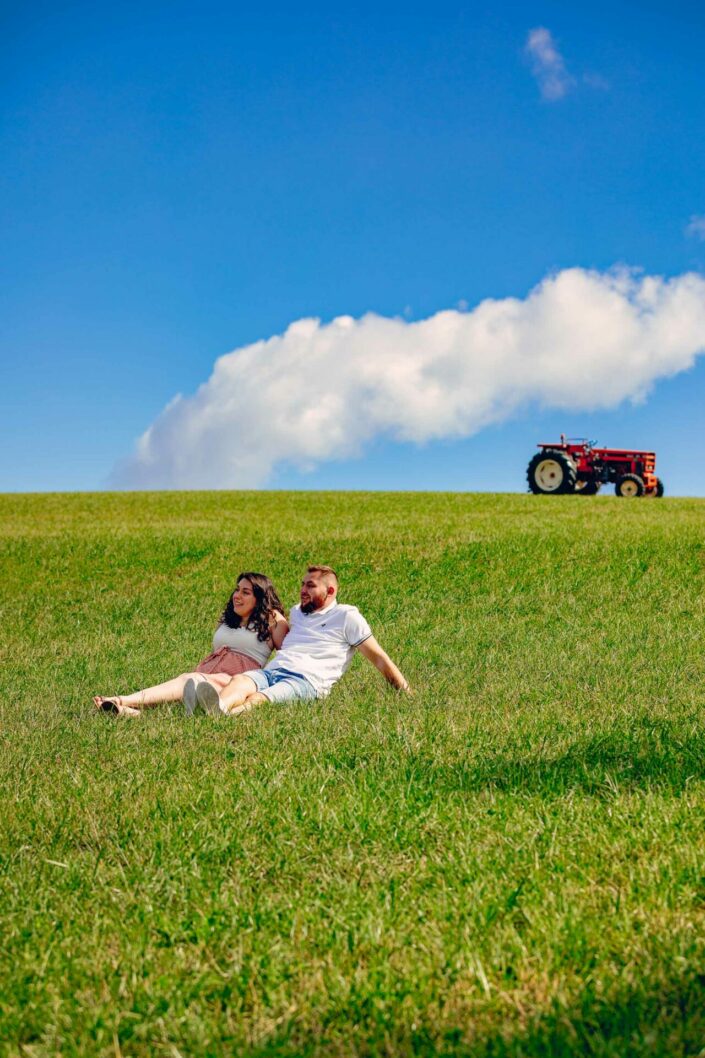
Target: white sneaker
column 208, row 698
column 189, row 697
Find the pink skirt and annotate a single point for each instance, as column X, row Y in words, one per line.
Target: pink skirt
column 228, row 661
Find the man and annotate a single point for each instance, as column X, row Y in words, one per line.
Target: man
column 318, row 649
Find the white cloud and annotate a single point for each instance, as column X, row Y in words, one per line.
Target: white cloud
column 696, row 227
column 547, row 64
column 597, row 81
column 581, row 340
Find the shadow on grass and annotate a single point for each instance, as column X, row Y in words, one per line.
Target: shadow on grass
column 648, row 755
column 665, row 1021
column 606, row 764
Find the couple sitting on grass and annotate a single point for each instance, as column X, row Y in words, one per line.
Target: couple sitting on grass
column 312, row 653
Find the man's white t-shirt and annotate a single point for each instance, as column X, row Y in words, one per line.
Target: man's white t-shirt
column 320, row 645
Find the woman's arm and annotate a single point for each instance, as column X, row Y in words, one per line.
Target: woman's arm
column 278, row 629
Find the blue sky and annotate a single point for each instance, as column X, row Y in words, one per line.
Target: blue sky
column 178, row 181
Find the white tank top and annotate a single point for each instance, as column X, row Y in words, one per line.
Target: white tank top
column 242, row 641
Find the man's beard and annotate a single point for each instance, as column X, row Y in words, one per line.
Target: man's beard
column 311, row 606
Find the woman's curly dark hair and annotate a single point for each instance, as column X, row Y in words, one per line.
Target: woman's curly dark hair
column 266, row 602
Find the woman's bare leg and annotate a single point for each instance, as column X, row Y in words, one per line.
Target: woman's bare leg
column 171, row 691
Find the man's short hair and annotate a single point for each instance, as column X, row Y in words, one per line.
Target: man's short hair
column 327, row 572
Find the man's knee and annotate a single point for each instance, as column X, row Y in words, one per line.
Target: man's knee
column 243, row 686
column 238, row 689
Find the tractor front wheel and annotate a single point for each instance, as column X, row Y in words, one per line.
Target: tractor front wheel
column 629, row 485
column 659, row 488
column 551, row 473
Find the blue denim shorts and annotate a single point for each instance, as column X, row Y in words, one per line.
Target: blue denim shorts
column 280, row 685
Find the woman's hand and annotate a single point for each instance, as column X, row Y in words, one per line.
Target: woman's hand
column 278, row 629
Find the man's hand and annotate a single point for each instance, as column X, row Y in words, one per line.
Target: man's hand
column 371, row 650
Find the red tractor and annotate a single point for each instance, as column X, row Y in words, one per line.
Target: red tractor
column 575, row 465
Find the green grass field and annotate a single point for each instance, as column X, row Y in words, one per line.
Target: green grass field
column 512, row 862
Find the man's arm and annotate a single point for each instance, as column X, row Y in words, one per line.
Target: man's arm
column 371, row 650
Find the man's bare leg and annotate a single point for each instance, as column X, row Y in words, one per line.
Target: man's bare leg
column 252, row 699
column 240, row 690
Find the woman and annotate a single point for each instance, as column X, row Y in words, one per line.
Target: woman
column 250, row 627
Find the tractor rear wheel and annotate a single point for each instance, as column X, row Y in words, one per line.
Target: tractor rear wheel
column 659, row 488
column 551, row 473
column 588, row 488
column 629, row 485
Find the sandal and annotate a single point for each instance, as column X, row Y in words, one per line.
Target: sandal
column 109, row 705
column 128, row 710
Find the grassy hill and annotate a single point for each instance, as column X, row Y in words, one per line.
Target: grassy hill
column 512, row 862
